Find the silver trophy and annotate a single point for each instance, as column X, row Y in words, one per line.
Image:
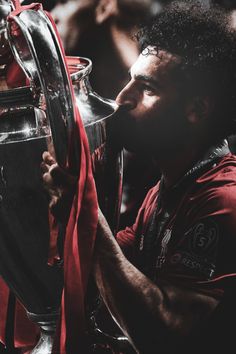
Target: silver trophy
column 36, row 117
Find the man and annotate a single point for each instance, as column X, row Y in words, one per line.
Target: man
column 170, row 283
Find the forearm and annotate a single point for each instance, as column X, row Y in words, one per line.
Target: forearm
column 119, row 285
column 147, row 313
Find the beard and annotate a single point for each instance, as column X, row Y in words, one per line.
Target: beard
column 124, row 131
column 154, row 135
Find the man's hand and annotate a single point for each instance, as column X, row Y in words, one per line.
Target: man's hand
column 60, row 186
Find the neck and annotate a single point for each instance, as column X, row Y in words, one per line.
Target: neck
column 174, row 164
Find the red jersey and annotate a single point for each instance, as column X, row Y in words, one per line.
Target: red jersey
column 186, row 235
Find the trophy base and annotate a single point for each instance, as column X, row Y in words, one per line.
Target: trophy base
column 44, row 345
column 47, row 324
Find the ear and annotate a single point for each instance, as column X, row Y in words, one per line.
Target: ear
column 105, row 9
column 198, row 109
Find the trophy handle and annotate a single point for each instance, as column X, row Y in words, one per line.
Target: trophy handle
column 37, row 50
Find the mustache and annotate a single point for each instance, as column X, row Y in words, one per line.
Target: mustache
column 122, row 116
column 118, row 125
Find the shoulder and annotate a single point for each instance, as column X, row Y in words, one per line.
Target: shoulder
column 211, row 200
column 216, row 188
column 221, row 174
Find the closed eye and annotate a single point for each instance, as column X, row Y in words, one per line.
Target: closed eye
column 148, row 84
column 150, row 90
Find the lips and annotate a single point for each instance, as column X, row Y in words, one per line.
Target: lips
column 123, row 128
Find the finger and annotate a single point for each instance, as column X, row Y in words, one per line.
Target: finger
column 50, row 185
column 44, row 167
column 61, row 178
column 52, row 191
column 48, row 158
column 48, row 180
column 53, row 202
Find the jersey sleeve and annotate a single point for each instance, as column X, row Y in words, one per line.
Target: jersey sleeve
column 126, row 238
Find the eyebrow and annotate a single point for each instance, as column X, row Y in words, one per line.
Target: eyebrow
column 146, row 78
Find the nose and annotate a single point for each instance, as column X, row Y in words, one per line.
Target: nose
column 127, row 97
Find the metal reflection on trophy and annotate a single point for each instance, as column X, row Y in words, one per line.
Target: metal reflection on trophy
column 98, row 116
column 34, row 117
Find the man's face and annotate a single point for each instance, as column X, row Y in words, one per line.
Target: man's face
column 154, row 109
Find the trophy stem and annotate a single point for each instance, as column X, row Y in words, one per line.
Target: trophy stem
column 47, row 324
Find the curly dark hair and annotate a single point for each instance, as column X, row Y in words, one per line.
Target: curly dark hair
column 206, row 42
